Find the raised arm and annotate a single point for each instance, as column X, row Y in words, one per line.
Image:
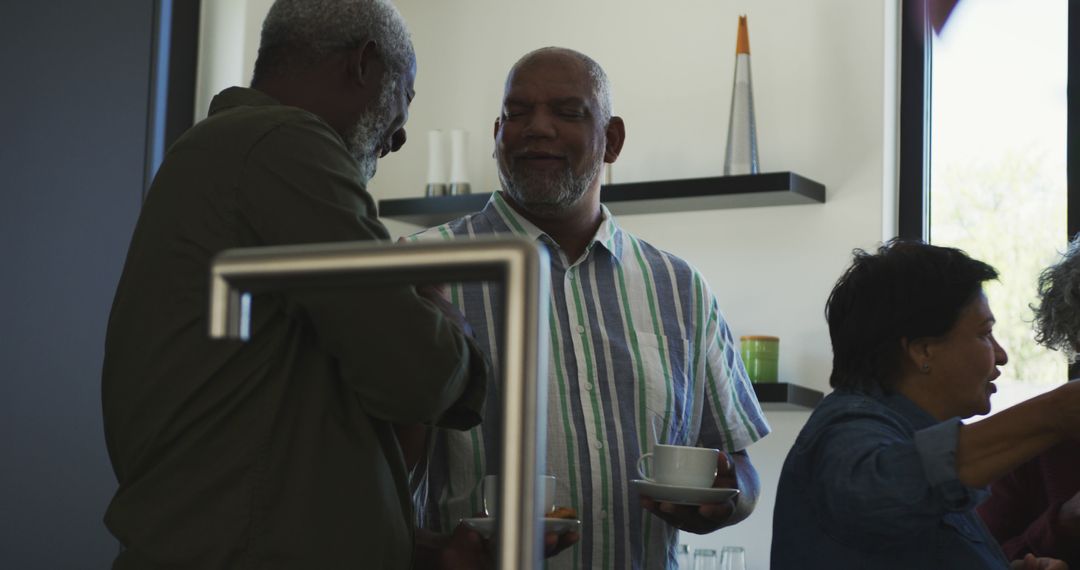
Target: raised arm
column 404, row 358
column 986, row 450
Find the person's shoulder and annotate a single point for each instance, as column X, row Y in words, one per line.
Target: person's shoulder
column 465, row 227
column 294, row 129
column 658, row 257
column 274, row 130
column 437, row 233
column 251, row 115
column 651, row 252
column 849, row 407
column 845, row 398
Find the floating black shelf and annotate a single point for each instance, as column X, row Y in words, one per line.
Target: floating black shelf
column 783, row 396
column 687, row 195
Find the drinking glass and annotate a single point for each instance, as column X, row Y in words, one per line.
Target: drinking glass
column 732, row 558
column 682, row 557
column 705, row 559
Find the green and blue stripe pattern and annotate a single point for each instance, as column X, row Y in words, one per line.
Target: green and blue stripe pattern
column 635, row 333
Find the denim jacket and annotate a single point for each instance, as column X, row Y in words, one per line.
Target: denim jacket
column 871, row 483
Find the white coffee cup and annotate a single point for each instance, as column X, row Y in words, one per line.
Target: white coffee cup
column 680, row 465
column 491, row 493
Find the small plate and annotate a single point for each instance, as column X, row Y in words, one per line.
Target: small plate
column 683, row 495
column 486, row 526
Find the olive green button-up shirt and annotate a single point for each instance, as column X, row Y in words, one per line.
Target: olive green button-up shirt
column 278, row 452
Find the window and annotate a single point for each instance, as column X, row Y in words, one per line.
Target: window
column 174, row 49
column 984, row 156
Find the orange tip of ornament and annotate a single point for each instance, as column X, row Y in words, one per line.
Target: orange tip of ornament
column 742, row 44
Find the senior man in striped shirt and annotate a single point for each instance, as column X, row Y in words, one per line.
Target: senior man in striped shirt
column 635, row 333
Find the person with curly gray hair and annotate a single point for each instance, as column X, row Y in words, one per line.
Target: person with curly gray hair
column 283, row 451
column 1035, row 510
column 1057, row 316
column 303, row 41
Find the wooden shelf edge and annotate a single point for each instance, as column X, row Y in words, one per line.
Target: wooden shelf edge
column 686, row 195
column 784, row 396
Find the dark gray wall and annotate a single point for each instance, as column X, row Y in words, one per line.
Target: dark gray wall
column 74, row 78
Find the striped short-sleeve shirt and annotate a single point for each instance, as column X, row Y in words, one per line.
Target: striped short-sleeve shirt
column 635, row 334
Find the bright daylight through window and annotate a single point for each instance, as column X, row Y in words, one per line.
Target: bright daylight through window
column 997, row 163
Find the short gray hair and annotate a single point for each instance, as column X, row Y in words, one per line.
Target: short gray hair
column 1057, row 315
column 299, row 33
column 601, row 87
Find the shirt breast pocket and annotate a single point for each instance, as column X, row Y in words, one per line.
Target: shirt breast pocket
column 665, row 371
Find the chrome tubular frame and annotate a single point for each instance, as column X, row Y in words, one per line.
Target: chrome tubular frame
column 517, row 263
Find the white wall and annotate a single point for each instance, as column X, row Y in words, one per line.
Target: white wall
column 824, row 88
column 223, row 60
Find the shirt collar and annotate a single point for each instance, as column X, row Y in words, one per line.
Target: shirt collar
column 240, row 97
column 608, row 235
column 903, row 405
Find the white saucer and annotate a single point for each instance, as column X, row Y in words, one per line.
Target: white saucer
column 683, row 495
column 486, row 526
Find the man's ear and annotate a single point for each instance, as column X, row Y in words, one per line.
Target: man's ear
column 615, row 134
column 495, row 130
column 363, row 61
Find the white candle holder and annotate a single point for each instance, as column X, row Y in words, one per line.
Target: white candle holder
column 436, row 177
column 459, row 179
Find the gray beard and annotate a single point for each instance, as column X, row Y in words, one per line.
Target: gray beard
column 548, row 194
column 364, row 152
column 362, row 141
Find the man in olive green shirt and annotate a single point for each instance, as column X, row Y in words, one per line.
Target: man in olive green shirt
column 279, row 452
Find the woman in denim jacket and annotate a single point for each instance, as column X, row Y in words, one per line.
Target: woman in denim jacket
column 884, row 474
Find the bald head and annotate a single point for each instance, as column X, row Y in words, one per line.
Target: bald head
column 599, row 85
column 553, row 136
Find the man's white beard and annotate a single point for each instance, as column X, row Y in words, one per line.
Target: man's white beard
column 368, row 132
column 547, row 194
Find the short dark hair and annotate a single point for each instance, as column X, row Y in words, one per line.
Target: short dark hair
column 907, row 290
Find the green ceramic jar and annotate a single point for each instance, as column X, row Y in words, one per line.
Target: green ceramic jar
column 761, row 355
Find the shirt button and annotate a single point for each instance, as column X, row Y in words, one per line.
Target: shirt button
column 603, row 514
column 598, row 445
column 570, row 275
column 580, row 329
column 588, row 385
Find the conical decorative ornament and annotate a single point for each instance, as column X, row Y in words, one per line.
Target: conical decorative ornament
column 742, row 149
